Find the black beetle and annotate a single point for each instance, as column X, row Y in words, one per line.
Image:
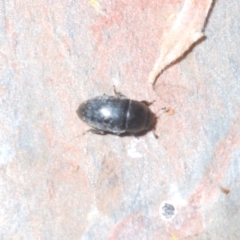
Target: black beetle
column 117, row 115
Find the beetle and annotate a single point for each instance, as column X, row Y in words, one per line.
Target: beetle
column 117, row 115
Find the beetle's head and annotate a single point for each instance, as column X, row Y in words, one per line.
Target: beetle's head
column 152, row 120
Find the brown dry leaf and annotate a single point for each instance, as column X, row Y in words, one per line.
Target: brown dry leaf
column 186, row 30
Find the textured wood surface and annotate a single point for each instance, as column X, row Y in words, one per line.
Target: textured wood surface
column 56, row 183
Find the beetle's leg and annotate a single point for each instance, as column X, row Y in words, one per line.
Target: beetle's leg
column 137, row 137
column 95, row 131
column 147, row 103
column 154, row 133
column 118, row 94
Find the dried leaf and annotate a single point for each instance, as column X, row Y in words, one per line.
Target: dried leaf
column 186, row 30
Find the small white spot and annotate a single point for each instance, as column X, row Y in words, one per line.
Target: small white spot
column 133, row 152
column 105, row 112
column 93, row 214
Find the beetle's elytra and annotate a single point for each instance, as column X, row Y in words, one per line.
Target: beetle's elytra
column 117, row 115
